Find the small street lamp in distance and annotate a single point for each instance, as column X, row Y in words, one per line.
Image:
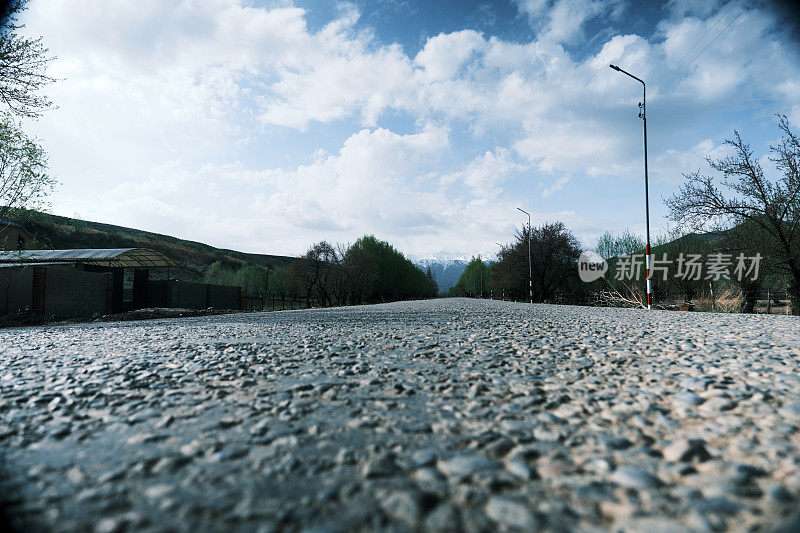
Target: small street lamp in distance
column 643, row 116
column 530, row 269
column 498, row 255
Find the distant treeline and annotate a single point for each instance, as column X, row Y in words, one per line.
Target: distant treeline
column 368, row 271
column 554, row 265
column 555, row 253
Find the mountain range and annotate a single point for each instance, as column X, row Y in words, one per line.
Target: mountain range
column 446, row 272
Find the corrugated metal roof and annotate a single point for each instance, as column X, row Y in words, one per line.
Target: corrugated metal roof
column 107, row 257
column 9, row 223
column 26, row 265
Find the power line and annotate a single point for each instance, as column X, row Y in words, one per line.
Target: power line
column 706, row 46
column 608, row 140
column 719, row 19
column 613, row 133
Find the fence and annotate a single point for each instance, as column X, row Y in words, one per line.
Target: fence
column 15, row 289
column 773, row 302
column 189, row 295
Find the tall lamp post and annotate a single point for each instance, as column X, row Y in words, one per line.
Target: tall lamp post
column 643, row 116
column 530, row 269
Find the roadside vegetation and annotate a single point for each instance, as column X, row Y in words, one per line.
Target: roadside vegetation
column 24, row 180
column 555, row 252
column 367, row 271
column 758, row 214
column 739, row 211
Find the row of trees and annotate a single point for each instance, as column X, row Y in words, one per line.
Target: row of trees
column 368, row 271
column 554, row 266
column 738, row 210
column 555, row 273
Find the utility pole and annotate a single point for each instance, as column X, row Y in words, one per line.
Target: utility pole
column 643, row 116
column 530, row 269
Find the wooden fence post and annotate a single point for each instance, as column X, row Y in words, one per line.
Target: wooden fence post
column 711, row 288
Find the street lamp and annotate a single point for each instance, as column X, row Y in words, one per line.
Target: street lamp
column 501, row 288
column 530, row 270
column 643, row 116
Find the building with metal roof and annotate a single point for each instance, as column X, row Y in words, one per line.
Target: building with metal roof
column 111, row 262
column 13, row 236
column 75, row 283
column 98, row 257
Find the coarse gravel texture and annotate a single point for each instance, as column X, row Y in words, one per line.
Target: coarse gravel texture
column 439, row 415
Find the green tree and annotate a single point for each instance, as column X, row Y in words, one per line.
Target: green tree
column 624, row 243
column 380, row 273
column 474, row 281
column 369, row 270
column 24, row 182
column 253, row 279
column 23, row 65
column 431, row 281
column 554, row 253
column 218, row 274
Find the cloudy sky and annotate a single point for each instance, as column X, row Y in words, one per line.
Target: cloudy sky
column 264, row 126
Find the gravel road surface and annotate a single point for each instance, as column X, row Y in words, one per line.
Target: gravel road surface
column 440, row 415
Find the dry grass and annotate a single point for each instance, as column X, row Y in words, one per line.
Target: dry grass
column 728, row 300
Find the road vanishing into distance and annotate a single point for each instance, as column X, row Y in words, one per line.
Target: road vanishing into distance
column 438, row 415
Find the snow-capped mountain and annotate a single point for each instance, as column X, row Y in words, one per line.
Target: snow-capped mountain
column 445, row 271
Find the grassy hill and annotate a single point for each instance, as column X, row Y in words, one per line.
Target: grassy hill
column 56, row 232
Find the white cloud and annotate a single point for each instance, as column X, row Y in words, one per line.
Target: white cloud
column 672, row 164
column 562, row 20
column 484, row 174
column 173, row 110
column 444, row 54
column 557, row 186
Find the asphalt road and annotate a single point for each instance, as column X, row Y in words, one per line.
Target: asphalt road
column 442, row 415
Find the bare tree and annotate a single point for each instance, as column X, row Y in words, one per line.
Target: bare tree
column 773, row 207
column 23, row 65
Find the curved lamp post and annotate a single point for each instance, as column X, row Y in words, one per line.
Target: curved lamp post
column 643, row 116
column 530, row 270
